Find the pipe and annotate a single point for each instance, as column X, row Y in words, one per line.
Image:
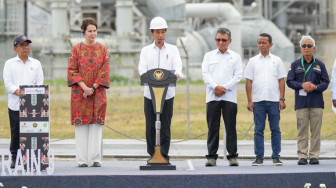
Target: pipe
column 60, row 27
column 281, row 19
column 221, row 10
column 213, row 10
column 282, row 46
column 173, row 11
column 124, row 23
column 2, row 16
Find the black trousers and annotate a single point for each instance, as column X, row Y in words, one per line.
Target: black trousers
column 165, row 118
column 229, row 112
column 14, row 120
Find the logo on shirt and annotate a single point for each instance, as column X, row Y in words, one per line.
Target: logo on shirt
column 299, row 68
column 158, row 74
column 317, row 68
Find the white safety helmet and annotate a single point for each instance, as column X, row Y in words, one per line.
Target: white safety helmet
column 158, row 23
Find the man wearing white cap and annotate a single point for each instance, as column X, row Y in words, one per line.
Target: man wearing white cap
column 162, row 55
column 20, row 70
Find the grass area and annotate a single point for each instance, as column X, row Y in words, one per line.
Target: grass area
column 125, row 115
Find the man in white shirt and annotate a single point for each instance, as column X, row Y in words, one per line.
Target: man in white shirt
column 20, row 70
column 265, row 75
column 162, row 55
column 222, row 71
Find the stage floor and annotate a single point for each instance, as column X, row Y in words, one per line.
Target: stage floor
column 188, row 173
column 193, row 167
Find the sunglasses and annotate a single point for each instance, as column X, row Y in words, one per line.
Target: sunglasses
column 306, row 45
column 223, row 40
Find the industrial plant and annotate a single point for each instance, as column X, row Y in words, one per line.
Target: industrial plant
column 123, row 27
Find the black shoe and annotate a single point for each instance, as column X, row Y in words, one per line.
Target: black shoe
column 314, row 161
column 12, row 165
column 13, row 161
column 302, row 161
column 277, row 162
column 83, row 165
column 258, row 162
column 96, row 164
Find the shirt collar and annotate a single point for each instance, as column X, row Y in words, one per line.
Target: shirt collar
column 228, row 51
column 18, row 59
column 304, row 60
column 163, row 47
column 268, row 56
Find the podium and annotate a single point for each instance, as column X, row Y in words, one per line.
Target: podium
column 158, row 81
column 34, row 125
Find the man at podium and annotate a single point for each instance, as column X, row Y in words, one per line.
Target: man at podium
column 19, row 70
column 162, row 55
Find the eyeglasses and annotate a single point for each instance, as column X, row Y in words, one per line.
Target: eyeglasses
column 223, row 40
column 306, row 45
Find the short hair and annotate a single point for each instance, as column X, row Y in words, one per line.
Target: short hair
column 307, row 37
column 223, row 30
column 165, row 29
column 86, row 22
column 266, row 35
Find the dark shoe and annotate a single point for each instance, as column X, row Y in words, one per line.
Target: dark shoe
column 258, row 162
column 96, row 164
column 314, row 161
column 233, row 162
column 277, row 162
column 83, row 165
column 302, row 161
column 211, row 162
column 13, row 161
column 12, row 165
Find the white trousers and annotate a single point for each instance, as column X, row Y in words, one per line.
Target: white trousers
column 89, row 143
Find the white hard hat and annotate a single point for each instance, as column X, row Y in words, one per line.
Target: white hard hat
column 158, row 23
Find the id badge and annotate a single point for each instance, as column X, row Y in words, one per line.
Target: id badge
column 302, row 92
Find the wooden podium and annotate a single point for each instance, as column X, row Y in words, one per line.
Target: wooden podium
column 158, row 81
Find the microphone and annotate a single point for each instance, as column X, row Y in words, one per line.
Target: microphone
column 159, row 43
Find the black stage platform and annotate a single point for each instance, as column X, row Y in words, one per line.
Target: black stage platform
column 189, row 173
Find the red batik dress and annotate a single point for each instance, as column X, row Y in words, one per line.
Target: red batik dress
column 89, row 64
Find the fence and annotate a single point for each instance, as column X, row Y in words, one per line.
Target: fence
column 129, row 89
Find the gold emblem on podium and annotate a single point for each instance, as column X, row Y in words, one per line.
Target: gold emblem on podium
column 158, row 74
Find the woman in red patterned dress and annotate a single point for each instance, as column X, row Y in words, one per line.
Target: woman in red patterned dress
column 88, row 77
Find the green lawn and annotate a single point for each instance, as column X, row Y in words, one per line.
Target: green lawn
column 125, row 114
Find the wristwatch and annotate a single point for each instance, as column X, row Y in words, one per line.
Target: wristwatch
column 94, row 89
column 282, row 99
